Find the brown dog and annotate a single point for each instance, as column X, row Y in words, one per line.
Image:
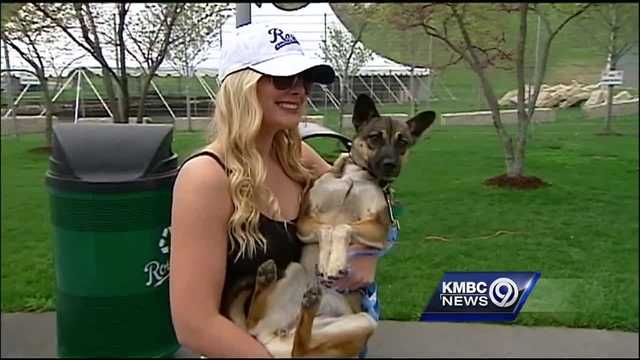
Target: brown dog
column 294, row 315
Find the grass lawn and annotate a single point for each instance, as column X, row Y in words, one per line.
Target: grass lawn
column 581, row 232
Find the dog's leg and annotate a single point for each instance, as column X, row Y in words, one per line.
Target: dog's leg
column 324, row 245
column 343, row 337
column 308, row 227
column 266, row 277
column 371, row 232
column 338, row 166
column 337, row 262
column 310, row 304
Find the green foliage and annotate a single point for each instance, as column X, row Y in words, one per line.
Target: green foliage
column 32, row 35
column 9, row 11
column 195, row 32
column 392, row 33
column 405, row 29
column 600, row 18
column 344, row 52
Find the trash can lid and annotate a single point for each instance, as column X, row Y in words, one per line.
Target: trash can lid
column 310, row 130
column 111, row 157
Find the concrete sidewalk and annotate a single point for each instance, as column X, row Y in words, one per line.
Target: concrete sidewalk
column 34, row 335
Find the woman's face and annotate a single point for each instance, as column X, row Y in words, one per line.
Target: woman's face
column 283, row 100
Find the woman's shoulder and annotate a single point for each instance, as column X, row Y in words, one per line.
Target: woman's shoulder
column 203, row 171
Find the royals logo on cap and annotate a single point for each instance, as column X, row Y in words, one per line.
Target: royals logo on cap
column 282, row 40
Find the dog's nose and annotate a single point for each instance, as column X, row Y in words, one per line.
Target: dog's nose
column 388, row 165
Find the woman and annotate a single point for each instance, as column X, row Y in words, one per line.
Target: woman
column 235, row 203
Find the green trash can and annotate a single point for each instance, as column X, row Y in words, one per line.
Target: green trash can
column 110, row 190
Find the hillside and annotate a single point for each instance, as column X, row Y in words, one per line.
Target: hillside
column 573, row 55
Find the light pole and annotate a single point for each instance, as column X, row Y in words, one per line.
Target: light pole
column 243, row 14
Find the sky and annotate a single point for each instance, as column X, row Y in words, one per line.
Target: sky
column 308, row 25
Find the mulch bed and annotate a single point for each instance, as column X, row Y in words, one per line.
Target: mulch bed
column 613, row 133
column 516, row 182
column 41, row 150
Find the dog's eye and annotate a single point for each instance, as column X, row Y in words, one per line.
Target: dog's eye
column 375, row 138
column 401, row 142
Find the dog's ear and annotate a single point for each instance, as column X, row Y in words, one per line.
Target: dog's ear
column 419, row 123
column 363, row 110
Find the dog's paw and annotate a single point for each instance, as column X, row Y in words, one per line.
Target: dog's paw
column 312, row 297
column 267, row 273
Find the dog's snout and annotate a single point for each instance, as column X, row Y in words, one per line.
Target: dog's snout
column 388, row 165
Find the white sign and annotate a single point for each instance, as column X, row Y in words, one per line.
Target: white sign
column 612, row 77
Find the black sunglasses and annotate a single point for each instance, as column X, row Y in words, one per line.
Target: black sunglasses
column 287, row 82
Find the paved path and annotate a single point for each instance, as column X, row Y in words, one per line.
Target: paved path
column 34, row 335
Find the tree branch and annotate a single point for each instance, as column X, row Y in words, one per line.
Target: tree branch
column 355, row 42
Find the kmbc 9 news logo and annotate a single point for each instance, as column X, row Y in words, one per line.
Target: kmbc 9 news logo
column 480, row 296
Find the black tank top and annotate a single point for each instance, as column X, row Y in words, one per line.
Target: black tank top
column 283, row 245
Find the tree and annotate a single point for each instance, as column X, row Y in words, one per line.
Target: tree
column 32, row 36
column 620, row 22
column 9, row 10
column 347, row 55
column 477, row 34
column 94, row 21
column 151, row 32
column 196, row 32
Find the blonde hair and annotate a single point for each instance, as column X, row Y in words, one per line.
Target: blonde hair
column 236, row 123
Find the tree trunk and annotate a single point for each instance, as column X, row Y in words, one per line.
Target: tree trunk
column 143, row 98
column 612, row 66
column 517, row 165
column 507, row 140
column 187, row 88
column 607, row 120
column 48, row 104
column 123, row 81
column 124, row 97
column 342, row 100
column 124, row 105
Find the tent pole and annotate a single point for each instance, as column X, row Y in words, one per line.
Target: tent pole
column 173, row 116
column 15, row 103
column 64, row 86
column 75, row 118
column 97, row 94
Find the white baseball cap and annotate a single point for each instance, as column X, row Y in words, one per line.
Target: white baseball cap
column 271, row 50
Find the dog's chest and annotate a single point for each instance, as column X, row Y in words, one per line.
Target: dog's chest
column 352, row 197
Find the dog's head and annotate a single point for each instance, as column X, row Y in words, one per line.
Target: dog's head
column 382, row 143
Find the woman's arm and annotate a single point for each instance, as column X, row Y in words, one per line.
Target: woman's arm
column 314, row 162
column 201, row 208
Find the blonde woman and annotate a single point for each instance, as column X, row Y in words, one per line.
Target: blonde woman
column 236, row 202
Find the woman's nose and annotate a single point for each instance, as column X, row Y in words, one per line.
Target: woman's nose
column 298, row 86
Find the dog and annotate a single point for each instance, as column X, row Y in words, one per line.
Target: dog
column 294, row 314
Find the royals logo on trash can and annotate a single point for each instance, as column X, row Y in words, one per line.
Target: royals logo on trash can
column 157, row 271
column 480, row 296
